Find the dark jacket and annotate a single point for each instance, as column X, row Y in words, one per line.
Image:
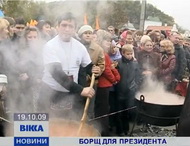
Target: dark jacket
column 130, row 76
column 187, row 54
column 184, row 126
column 30, row 62
column 149, row 61
column 180, row 62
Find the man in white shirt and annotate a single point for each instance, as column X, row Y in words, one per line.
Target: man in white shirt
column 63, row 56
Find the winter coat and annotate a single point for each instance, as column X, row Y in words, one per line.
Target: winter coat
column 180, row 62
column 187, row 54
column 109, row 76
column 130, row 76
column 149, row 61
column 30, row 62
column 97, row 56
column 167, row 66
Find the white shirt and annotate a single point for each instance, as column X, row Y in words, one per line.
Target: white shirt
column 70, row 54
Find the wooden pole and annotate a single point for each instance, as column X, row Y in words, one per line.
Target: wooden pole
column 84, row 117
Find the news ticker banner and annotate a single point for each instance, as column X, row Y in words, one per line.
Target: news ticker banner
column 104, row 141
column 32, row 129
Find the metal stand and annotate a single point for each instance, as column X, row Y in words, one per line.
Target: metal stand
column 140, row 112
column 137, row 116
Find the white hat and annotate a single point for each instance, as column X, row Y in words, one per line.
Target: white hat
column 84, row 28
column 3, row 78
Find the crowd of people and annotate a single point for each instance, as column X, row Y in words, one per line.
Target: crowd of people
column 49, row 68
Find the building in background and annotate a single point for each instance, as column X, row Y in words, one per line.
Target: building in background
column 152, row 21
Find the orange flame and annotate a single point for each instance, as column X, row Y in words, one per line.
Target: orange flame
column 32, row 23
column 97, row 23
column 85, row 19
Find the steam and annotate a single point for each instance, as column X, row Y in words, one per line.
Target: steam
column 150, row 84
column 155, row 92
column 21, row 100
column 18, row 102
column 75, row 7
column 103, row 8
column 92, row 9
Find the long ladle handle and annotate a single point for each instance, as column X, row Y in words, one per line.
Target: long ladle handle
column 84, row 117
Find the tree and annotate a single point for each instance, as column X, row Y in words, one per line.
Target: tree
column 116, row 13
column 26, row 9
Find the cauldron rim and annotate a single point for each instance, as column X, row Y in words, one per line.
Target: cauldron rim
column 158, row 104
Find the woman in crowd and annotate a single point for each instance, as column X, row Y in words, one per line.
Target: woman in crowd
column 148, row 60
column 4, row 30
column 45, row 29
column 168, row 61
column 30, row 67
column 109, row 77
column 11, row 26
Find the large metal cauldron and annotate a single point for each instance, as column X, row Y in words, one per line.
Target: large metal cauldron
column 64, row 128
column 157, row 114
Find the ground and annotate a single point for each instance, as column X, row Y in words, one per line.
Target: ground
column 150, row 131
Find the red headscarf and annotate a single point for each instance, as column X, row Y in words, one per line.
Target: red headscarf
column 123, row 37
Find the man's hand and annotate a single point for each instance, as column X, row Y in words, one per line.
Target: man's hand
column 96, row 70
column 88, row 92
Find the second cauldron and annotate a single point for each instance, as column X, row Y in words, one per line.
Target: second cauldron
column 158, row 114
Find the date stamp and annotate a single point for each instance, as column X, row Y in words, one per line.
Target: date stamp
column 31, row 117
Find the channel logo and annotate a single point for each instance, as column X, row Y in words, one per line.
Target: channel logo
column 36, row 128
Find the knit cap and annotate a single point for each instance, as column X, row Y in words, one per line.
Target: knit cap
column 84, row 28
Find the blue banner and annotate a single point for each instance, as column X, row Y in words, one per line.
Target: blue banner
column 31, row 141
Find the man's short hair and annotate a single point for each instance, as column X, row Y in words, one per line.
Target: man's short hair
column 67, row 16
column 20, row 21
